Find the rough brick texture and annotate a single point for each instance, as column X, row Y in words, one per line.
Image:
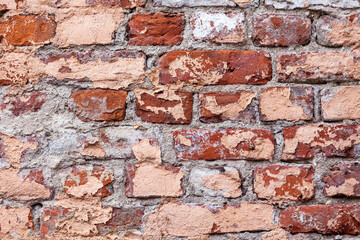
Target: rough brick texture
column 156, row 29
column 218, row 27
column 281, row 30
column 203, row 144
column 215, row 67
column 179, row 119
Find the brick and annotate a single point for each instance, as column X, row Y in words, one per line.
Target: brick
column 87, row 181
column 313, row 4
column 340, row 103
column 276, row 234
column 108, row 143
column 164, row 106
column 156, row 29
column 195, row 220
column 303, row 142
column 24, row 103
column 73, row 218
column 284, row 183
column 121, row 3
column 99, row 105
column 219, row 27
column 216, row 182
column 336, row 32
column 149, row 178
column 15, row 222
column 8, row 5
column 324, row 219
column 311, row 67
column 25, row 30
column 86, row 26
column 286, row 103
column 205, row 3
column 274, row 30
column 25, row 187
column 122, row 219
column 343, row 179
column 215, row 67
column 215, row 144
column 14, row 68
column 222, row 106
column 104, row 68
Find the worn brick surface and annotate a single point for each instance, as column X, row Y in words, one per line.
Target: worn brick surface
column 156, row 29
column 218, row 27
column 326, row 219
column 24, row 30
column 222, row 106
column 284, row 183
column 281, row 30
column 215, row 67
column 213, row 144
column 342, row 180
column 99, row 105
column 292, row 4
column 205, row 3
column 164, row 106
column 286, row 103
column 340, row 103
column 26, row 102
column 303, row 142
column 312, row 67
column 335, row 32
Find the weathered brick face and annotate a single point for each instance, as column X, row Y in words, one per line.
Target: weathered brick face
column 179, row 119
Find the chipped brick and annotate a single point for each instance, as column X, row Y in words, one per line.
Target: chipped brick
column 99, row 104
column 340, row 103
column 342, row 179
column 217, row 144
column 317, row 67
column 24, row 103
column 205, row 3
column 303, row 142
column 284, row 183
column 215, row 67
column 222, row 106
column 313, row 4
column 164, row 106
column 174, row 219
column 286, row 103
column 324, row 219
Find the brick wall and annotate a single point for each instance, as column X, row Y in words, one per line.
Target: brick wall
column 179, row 119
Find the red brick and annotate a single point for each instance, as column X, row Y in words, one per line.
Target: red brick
column 215, row 67
column 274, row 30
column 99, row 105
column 284, row 183
column 123, row 219
column 303, row 142
column 218, row 27
column 335, row 32
column 93, row 181
column 26, row 102
column 120, row 3
column 286, row 103
column 222, row 106
column 342, row 179
column 156, row 29
column 324, row 219
column 165, row 106
column 340, row 103
column 213, row 144
column 312, row 67
column 25, row 30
